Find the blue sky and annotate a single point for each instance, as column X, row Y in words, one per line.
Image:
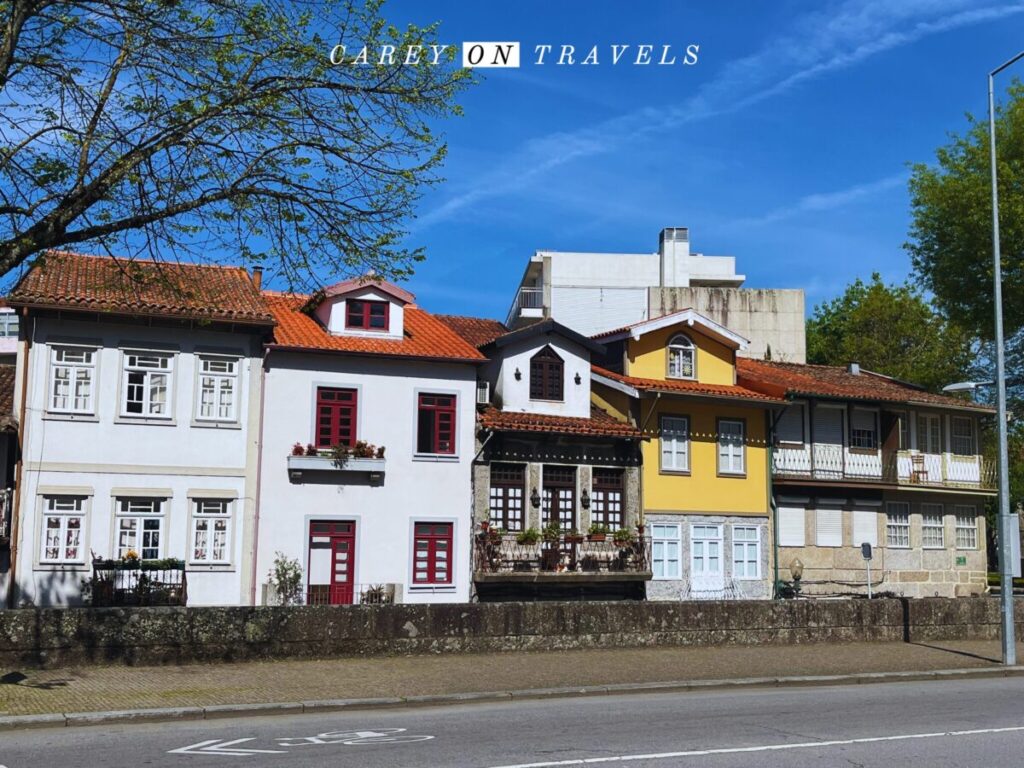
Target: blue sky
column 786, row 146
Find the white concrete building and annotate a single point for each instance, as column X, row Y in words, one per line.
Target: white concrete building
column 386, row 517
column 137, row 393
column 597, row 292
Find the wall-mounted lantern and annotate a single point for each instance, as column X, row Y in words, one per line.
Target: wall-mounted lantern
column 535, row 498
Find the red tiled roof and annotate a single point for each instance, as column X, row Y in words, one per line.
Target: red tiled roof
column 74, row 281
column 677, row 386
column 837, row 382
column 478, row 331
column 600, row 423
column 425, row 336
column 358, row 283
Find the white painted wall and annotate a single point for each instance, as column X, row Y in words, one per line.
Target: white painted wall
column 97, row 454
column 425, row 489
column 331, row 313
column 514, row 395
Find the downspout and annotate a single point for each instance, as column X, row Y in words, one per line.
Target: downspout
column 654, row 406
column 16, row 506
column 259, row 480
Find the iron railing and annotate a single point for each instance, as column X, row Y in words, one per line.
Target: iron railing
column 905, row 468
column 350, row 594
column 115, row 584
column 509, row 553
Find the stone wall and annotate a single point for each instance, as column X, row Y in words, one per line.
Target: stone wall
column 61, row 637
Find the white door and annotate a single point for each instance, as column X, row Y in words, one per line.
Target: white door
column 707, row 577
column 828, row 442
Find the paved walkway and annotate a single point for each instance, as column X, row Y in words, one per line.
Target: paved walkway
column 89, row 689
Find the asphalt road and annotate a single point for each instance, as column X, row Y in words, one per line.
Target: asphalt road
column 928, row 724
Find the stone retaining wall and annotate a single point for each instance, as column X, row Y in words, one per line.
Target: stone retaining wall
column 61, row 637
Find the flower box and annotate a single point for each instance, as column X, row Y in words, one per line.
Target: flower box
column 299, row 465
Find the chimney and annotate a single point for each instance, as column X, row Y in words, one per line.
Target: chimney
column 257, row 277
column 853, row 368
column 674, row 253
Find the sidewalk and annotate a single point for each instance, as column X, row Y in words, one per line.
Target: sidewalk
column 92, row 689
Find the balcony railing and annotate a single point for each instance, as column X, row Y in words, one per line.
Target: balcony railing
column 904, row 468
column 350, row 594
column 529, row 302
column 161, row 582
column 507, row 554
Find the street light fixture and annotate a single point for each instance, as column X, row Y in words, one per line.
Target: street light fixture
column 966, row 386
column 1005, row 566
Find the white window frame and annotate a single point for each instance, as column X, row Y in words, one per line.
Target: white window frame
column 932, row 424
column 864, row 435
column 897, row 521
column 124, row 512
column 750, row 549
column 732, row 457
column 936, row 532
column 9, row 321
column 699, row 534
column 677, row 444
column 966, row 518
column 77, row 373
column 128, row 368
column 680, row 346
column 220, row 382
column 205, row 511
column 64, row 508
column 666, row 538
column 971, row 449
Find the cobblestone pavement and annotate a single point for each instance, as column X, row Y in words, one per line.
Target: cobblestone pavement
column 100, row 688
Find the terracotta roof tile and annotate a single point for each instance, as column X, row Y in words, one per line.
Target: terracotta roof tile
column 74, row 281
column 696, row 388
column 425, row 336
column 600, row 423
column 478, row 331
column 837, row 382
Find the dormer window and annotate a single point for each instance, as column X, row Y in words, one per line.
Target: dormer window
column 682, row 358
column 547, row 371
column 364, row 315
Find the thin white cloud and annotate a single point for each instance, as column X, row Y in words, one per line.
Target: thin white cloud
column 820, row 43
column 826, row 201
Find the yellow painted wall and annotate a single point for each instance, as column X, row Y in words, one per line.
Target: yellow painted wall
column 703, row 489
column 647, row 357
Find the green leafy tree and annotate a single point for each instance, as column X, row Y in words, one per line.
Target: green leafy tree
column 177, row 128
column 890, row 329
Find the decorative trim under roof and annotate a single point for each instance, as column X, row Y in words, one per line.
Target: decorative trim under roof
column 688, row 316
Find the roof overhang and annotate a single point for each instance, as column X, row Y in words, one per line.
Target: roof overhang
column 688, row 317
column 548, row 327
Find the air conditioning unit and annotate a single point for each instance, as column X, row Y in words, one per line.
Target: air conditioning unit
column 483, row 393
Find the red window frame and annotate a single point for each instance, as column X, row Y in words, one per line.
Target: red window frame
column 547, row 374
column 432, row 539
column 435, row 432
column 360, row 314
column 336, row 413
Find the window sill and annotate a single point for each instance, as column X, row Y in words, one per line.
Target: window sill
column 58, row 567
column 903, row 548
column 863, row 451
column 432, row 588
column 58, row 416
column 440, row 458
column 201, row 424
column 154, row 420
column 678, row 472
column 934, row 548
column 204, row 568
column 670, row 377
column 737, row 475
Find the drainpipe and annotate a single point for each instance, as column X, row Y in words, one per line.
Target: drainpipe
column 259, row 480
column 640, row 484
column 16, row 505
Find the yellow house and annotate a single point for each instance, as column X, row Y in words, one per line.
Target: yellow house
column 704, row 481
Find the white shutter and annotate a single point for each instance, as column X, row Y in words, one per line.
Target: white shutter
column 790, row 428
column 865, row 527
column 792, row 526
column 828, row 426
column 829, row 524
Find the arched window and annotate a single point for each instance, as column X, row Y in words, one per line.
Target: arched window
column 682, row 358
column 546, row 373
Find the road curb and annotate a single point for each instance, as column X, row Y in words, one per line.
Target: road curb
column 70, row 719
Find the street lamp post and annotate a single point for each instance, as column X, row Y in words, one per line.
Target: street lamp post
column 1005, row 566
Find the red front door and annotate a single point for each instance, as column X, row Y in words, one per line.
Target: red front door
column 332, row 563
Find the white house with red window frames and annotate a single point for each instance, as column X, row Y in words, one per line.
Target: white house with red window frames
column 368, row 440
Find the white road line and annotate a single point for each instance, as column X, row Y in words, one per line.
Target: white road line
column 763, row 748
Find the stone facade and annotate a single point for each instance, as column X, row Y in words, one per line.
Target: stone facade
column 734, row 587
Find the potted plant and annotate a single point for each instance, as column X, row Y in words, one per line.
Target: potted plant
column 528, row 537
column 623, row 537
column 298, row 450
column 495, row 535
column 597, row 532
column 551, row 533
